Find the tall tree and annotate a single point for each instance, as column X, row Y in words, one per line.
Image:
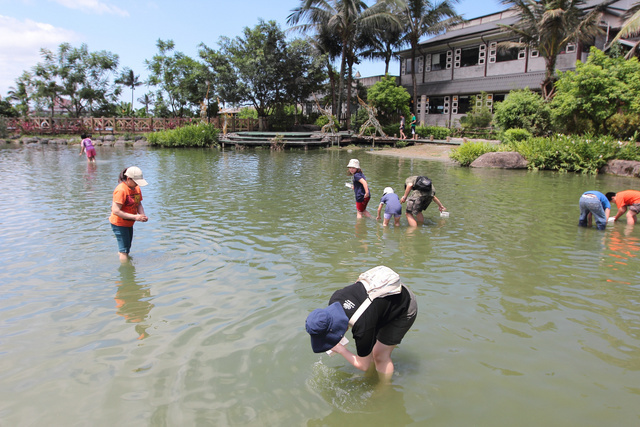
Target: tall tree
column 179, row 78
column 21, row 93
column 129, row 79
column 421, row 18
column 347, row 19
column 261, row 68
column 549, row 25
column 79, row 80
column 147, row 99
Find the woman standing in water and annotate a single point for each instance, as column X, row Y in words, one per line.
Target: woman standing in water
column 127, row 208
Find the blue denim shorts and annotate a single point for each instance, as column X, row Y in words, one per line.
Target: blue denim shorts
column 124, row 236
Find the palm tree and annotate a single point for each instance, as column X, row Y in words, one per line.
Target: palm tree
column 421, row 18
column 146, row 100
column 548, row 26
column 129, row 79
column 630, row 27
column 382, row 45
column 346, row 19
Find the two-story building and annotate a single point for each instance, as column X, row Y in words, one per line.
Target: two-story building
column 465, row 61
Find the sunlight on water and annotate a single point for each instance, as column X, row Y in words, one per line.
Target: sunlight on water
column 524, row 318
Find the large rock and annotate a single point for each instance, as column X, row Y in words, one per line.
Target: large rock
column 622, row 167
column 500, row 159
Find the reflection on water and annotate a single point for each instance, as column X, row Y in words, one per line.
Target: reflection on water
column 132, row 300
column 525, row 318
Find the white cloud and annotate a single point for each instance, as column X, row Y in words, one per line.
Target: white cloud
column 93, row 6
column 20, row 44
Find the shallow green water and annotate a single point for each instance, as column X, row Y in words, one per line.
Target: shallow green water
column 524, row 319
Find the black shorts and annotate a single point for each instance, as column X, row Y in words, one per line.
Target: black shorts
column 393, row 332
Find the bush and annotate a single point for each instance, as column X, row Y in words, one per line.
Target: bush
column 523, row 109
column 469, row 151
column 426, row 132
column 3, row 128
column 515, row 135
column 585, row 154
column 624, row 126
column 200, row 135
column 392, row 129
column 323, row 120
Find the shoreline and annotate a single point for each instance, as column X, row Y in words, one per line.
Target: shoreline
column 421, row 150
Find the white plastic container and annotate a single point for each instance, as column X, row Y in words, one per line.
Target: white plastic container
column 444, row 214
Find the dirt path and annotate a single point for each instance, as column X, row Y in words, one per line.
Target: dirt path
column 426, row 151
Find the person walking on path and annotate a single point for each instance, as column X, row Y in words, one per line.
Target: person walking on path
column 376, row 331
column 594, row 204
column 126, row 208
column 360, row 188
column 402, row 135
column 418, row 193
column 414, row 135
column 392, row 207
column 87, row 146
column 628, row 202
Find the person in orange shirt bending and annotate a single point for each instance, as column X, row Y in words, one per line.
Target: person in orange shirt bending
column 127, row 208
column 627, row 201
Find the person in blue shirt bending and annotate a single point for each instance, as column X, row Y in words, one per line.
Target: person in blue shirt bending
column 594, row 204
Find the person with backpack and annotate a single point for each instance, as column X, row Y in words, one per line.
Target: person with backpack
column 380, row 310
column 418, row 193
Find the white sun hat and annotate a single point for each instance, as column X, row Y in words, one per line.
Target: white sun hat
column 387, row 190
column 354, row 163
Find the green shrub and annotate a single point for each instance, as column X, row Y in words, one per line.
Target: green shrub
column 624, row 126
column 523, row 109
column 3, row 128
column 466, row 153
column 392, row 129
column 515, row 135
column 200, row 135
column 426, row 132
column 585, row 154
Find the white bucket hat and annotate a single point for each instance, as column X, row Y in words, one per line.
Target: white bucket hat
column 387, row 190
column 135, row 174
column 354, row 163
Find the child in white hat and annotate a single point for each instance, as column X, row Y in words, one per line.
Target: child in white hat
column 360, row 188
column 392, row 208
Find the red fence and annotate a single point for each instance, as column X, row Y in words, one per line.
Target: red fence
column 114, row 125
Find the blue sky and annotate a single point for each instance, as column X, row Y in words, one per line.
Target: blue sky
column 131, row 28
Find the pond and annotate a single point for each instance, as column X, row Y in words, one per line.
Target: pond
column 524, row 318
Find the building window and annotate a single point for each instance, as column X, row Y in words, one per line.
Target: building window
column 436, row 105
column 503, row 55
column 438, row 61
column 464, row 104
column 407, row 66
column 469, row 56
column 499, row 97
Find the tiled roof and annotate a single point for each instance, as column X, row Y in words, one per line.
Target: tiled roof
column 492, row 84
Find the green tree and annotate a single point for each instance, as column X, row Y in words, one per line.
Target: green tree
column 81, row 78
column 21, row 93
column 180, row 80
column 523, row 109
column 147, row 99
column 347, row 20
column 262, row 69
column 130, row 80
column 596, row 91
column 389, row 98
column 420, row 18
column 548, row 26
column 7, row 110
